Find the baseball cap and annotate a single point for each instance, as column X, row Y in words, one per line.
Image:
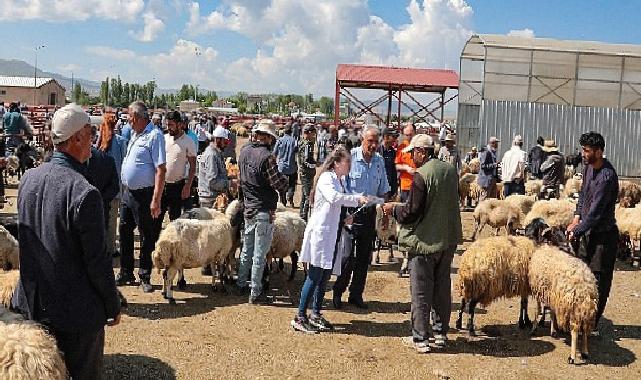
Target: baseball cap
column 518, row 139
column 419, row 141
column 220, row 132
column 389, row 132
column 494, row 139
column 67, row 121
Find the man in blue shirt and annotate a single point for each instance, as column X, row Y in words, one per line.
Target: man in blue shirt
column 367, row 176
column 285, row 151
column 143, row 180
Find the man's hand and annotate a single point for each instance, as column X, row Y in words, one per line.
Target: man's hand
column 575, row 222
column 155, row 208
column 388, row 208
column 115, row 321
column 186, row 192
column 410, row 170
column 349, row 220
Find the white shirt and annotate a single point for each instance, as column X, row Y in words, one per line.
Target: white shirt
column 322, row 227
column 513, row 164
column 201, row 132
column 178, row 151
column 442, row 134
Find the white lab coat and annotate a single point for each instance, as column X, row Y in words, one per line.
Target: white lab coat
column 319, row 242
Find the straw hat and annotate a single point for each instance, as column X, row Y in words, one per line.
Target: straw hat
column 450, row 137
column 550, row 146
column 419, row 141
column 266, row 126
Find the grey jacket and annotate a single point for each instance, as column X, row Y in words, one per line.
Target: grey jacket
column 212, row 173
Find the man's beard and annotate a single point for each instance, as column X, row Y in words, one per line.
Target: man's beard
column 172, row 133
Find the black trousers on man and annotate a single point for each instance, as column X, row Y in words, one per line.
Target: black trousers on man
column 83, row 353
column 172, row 200
column 355, row 267
column 599, row 251
column 288, row 195
column 135, row 212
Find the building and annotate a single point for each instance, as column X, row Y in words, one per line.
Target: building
column 47, row 91
column 556, row 89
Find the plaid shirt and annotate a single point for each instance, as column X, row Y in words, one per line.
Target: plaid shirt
column 278, row 181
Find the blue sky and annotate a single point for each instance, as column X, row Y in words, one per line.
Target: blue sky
column 282, row 45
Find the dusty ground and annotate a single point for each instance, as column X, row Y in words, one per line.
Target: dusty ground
column 210, row 335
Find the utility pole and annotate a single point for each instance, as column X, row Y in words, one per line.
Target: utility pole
column 35, row 74
column 198, row 53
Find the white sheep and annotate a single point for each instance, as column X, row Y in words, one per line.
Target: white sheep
column 465, row 186
column 493, row 268
column 27, row 351
column 629, row 193
column 287, row 240
column 572, row 187
column 533, row 187
column 9, row 252
column 497, row 213
column 386, row 234
column 8, row 284
column 568, row 287
column 523, row 202
column 192, row 243
column 557, row 214
column 629, row 224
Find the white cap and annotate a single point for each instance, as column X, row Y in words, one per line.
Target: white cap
column 67, row 121
column 518, row 139
column 420, row 140
column 220, row 132
column 341, row 133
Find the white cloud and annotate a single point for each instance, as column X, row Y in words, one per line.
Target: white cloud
column 70, row 67
column 152, row 27
column 527, row 33
column 70, row 10
column 111, row 53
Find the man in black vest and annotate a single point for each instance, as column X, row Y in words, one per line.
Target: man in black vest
column 260, row 184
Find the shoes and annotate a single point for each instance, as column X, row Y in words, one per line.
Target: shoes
column 440, row 340
column 320, row 323
column 146, row 286
column 182, row 284
column 260, row 299
column 124, row 278
column 206, row 271
column 236, row 290
column 421, row 347
column 302, row 324
column 358, row 303
column 336, row 300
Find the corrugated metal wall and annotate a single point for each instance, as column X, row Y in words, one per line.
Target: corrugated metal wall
column 503, row 119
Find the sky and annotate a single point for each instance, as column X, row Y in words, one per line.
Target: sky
column 282, row 46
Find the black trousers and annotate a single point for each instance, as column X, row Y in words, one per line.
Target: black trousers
column 599, row 251
column 135, row 212
column 83, row 353
column 355, row 267
column 172, row 200
column 288, row 195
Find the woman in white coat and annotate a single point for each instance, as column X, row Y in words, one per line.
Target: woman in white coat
column 319, row 243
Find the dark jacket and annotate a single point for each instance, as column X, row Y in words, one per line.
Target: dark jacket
column 597, row 199
column 66, row 275
column 535, row 159
column 260, row 180
column 553, row 170
column 488, row 170
column 102, row 173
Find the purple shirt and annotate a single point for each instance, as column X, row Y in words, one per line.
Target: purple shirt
column 597, row 199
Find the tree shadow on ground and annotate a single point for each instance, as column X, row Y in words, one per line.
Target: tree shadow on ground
column 124, row 367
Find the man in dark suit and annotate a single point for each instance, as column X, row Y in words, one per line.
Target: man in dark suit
column 66, row 279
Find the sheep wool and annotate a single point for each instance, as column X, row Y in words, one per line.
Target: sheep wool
column 568, row 287
column 388, row 232
column 289, row 229
column 475, row 166
column 9, row 251
column 629, row 193
column 556, row 213
column 26, row 351
column 495, row 267
column 523, row 202
column 464, row 185
column 629, row 222
column 8, row 283
column 497, row 213
column 533, row 187
column 572, row 187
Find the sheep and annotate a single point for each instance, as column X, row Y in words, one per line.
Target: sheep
column 475, row 165
column 9, row 251
column 523, row 202
column 201, row 213
column 192, row 243
column 533, row 187
column 386, row 234
column 568, row 287
column 221, row 202
column 242, row 132
column 569, row 172
column 8, row 284
column 475, row 192
column 499, row 190
column 557, row 214
column 494, row 268
column 629, row 224
column 287, row 240
column 464, row 187
column 497, row 213
column 27, row 351
column 572, row 187
column 629, row 194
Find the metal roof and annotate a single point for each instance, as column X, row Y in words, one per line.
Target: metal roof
column 23, row 81
column 548, row 44
column 385, row 78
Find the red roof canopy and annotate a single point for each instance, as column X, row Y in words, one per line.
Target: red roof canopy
column 393, row 78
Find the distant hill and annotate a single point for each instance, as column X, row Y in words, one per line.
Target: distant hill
column 15, row 67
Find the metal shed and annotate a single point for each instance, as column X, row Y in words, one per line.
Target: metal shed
column 553, row 88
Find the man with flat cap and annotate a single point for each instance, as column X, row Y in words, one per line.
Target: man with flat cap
column 66, row 278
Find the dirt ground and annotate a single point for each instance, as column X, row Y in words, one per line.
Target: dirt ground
column 212, row 335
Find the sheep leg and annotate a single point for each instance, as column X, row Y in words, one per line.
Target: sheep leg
column 294, row 258
column 478, row 227
column 584, row 349
column 391, row 252
column 553, row 326
column 169, row 275
column 524, row 319
column 214, row 276
column 221, row 276
column 377, row 259
column 281, row 264
column 459, row 320
column 572, row 357
column 182, row 284
column 470, row 322
column 538, row 311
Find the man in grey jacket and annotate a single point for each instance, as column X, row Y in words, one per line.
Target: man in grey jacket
column 212, row 173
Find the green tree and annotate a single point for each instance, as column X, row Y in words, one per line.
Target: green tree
column 104, row 92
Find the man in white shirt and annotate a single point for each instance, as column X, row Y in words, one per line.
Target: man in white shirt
column 203, row 136
column 513, row 168
column 181, row 152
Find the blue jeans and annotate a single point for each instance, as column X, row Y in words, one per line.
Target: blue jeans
column 314, row 287
column 257, row 239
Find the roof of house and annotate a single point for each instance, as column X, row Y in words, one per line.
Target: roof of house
column 384, row 78
column 6, row 81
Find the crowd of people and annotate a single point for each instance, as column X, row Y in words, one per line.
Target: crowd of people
column 128, row 173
